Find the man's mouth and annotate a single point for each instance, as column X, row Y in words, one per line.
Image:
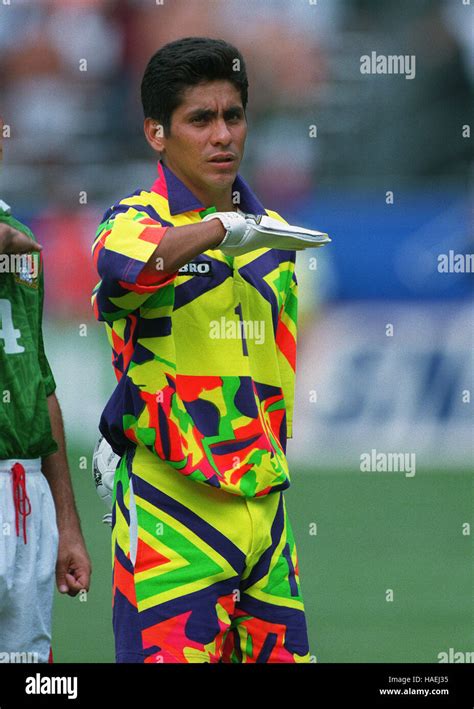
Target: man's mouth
column 223, row 158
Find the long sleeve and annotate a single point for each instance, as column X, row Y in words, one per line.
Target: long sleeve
column 124, row 243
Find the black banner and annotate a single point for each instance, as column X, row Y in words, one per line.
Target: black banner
column 384, row 685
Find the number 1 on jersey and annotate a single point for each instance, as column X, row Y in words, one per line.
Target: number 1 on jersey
column 238, row 311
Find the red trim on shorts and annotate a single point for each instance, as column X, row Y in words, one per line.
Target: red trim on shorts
column 20, row 498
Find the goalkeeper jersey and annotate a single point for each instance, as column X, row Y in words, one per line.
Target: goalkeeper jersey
column 26, row 379
column 205, row 358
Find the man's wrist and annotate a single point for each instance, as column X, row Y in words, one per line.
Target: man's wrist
column 234, row 225
column 67, row 519
column 216, row 231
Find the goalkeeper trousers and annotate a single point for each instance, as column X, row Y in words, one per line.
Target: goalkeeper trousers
column 199, row 574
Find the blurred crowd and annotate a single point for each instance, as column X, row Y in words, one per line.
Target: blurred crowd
column 70, row 73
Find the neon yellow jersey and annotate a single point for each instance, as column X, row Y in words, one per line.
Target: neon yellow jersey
column 205, row 360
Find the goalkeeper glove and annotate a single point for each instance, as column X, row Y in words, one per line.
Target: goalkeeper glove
column 104, row 465
column 249, row 232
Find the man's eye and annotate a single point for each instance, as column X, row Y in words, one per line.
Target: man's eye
column 198, row 120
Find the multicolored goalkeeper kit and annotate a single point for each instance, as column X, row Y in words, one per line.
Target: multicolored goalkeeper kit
column 205, row 565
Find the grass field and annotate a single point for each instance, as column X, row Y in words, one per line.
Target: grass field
column 375, row 531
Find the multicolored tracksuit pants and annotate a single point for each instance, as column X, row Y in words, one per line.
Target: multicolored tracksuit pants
column 201, row 575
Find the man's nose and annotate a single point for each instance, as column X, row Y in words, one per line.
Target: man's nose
column 221, row 133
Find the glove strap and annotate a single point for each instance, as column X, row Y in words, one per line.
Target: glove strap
column 234, row 224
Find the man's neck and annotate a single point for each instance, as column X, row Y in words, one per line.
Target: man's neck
column 222, row 201
column 223, row 204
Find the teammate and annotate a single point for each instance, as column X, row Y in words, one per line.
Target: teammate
column 198, row 294
column 39, row 526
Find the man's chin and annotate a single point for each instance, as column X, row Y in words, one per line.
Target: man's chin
column 221, row 177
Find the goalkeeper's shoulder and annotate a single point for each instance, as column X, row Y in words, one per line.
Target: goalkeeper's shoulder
column 129, row 217
column 140, row 205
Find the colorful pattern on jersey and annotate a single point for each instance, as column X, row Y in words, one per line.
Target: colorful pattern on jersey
column 200, row 575
column 205, row 360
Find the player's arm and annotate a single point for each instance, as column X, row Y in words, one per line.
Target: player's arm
column 73, row 567
column 135, row 256
column 13, row 241
column 234, row 234
column 181, row 244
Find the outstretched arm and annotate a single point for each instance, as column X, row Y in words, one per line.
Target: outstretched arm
column 181, row 244
column 135, row 256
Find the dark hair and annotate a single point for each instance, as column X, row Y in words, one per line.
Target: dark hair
column 188, row 62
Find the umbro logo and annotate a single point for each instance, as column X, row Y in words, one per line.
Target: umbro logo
column 199, row 268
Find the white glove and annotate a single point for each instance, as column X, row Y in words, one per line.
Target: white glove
column 250, row 232
column 104, row 464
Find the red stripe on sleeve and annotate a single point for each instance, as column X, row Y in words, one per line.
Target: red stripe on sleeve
column 153, row 234
column 286, row 344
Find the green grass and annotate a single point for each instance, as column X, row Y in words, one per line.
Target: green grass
column 379, row 531
column 375, row 531
column 82, row 630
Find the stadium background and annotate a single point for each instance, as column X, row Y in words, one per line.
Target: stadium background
column 76, row 145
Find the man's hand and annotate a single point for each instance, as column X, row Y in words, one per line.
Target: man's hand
column 13, row 241
column 73, row 567
column 250, row 232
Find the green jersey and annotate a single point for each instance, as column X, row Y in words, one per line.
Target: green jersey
column 26, row 379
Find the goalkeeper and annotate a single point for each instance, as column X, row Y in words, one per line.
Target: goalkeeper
column 198, row 294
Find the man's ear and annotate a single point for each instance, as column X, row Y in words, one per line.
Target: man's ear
column 155, row 134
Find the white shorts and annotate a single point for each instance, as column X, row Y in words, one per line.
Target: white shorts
column 27, row 568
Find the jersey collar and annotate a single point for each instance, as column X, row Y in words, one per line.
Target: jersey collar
column 181, row 199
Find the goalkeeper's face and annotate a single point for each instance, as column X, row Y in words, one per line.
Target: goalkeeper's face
column 206, row 140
